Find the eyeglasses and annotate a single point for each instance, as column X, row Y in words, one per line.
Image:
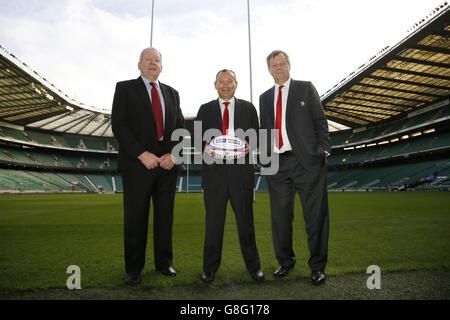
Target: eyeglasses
column 281, row 64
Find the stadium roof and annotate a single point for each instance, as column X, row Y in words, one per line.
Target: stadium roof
column 28, row 99
column 409, row 76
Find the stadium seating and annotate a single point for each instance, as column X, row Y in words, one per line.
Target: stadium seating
column 94, row 167
column 261, row 184
column 388, row 177
column 54, row 158
column 35, row 182
column 58, row 140
column 103, row 183
column 348, row 137
column 23, row 180
column 117, row 179
column 409, row 146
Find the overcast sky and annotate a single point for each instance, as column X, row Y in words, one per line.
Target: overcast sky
column 84, row 47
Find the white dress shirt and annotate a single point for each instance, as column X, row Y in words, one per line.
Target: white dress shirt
column 284, row 95
column 232, row 102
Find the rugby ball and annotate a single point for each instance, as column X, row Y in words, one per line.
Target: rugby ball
column 227, row 147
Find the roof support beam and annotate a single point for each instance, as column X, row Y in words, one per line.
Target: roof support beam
column 23, row 110
column 106, row 129
column 400, row 90
column 430, row 49
column 365, row 111
column 424, row 62
column 76, row 121
column 19, row 92
column 415, row 73
column 10, row 77
column 385, row 96
column 93, row 116
column 419, row 84
column 20, row 99
column 43, row 104
column 66, row 114
column 99, row 126
column 347, row 123
column 351, row 115
column 6, row 86
column 403, row 106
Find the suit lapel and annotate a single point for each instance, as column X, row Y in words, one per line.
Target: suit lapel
column 237, row 114
column 270, row 107
column 292, row 97
column 143, row 94
column 217, row 115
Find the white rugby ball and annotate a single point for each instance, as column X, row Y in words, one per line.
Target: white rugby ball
column 227, row 147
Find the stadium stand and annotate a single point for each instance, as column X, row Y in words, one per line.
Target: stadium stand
column 24, row 154
column 389, row 122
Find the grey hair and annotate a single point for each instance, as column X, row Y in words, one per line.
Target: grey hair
column 274, row 53
column 149, row 48
column 225, row 70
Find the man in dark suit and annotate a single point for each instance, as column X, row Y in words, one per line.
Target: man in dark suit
column 145, row 112
column 228, row 181
column 302, row 143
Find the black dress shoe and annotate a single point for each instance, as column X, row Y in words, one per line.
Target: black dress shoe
column 171, row 272
column 133, row 279
column 318, row 277
column 282, row 271
column 258, row 275
column 207, row 277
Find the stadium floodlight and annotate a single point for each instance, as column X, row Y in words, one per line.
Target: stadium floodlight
column 151, row 27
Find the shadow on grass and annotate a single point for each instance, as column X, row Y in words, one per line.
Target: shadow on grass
column 398, row 285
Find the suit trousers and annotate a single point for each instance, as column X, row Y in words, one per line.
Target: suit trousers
column 140, row 187
column 241, row 199
column 311, row 185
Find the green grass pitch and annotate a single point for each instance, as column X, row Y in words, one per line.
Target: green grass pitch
column 41, row 235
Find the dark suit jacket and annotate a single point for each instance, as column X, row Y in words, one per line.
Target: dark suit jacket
column 306, row 124
column 245, row 117
column 134, row 126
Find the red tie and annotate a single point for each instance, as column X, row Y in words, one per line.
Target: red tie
column 225, row 119
column 157, row 111
column 278, row 118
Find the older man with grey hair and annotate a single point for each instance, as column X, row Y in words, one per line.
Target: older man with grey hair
column 145, row 112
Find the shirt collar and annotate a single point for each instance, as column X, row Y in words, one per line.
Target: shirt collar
column 286, row 84
column 221, row 101
column 147, row 82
